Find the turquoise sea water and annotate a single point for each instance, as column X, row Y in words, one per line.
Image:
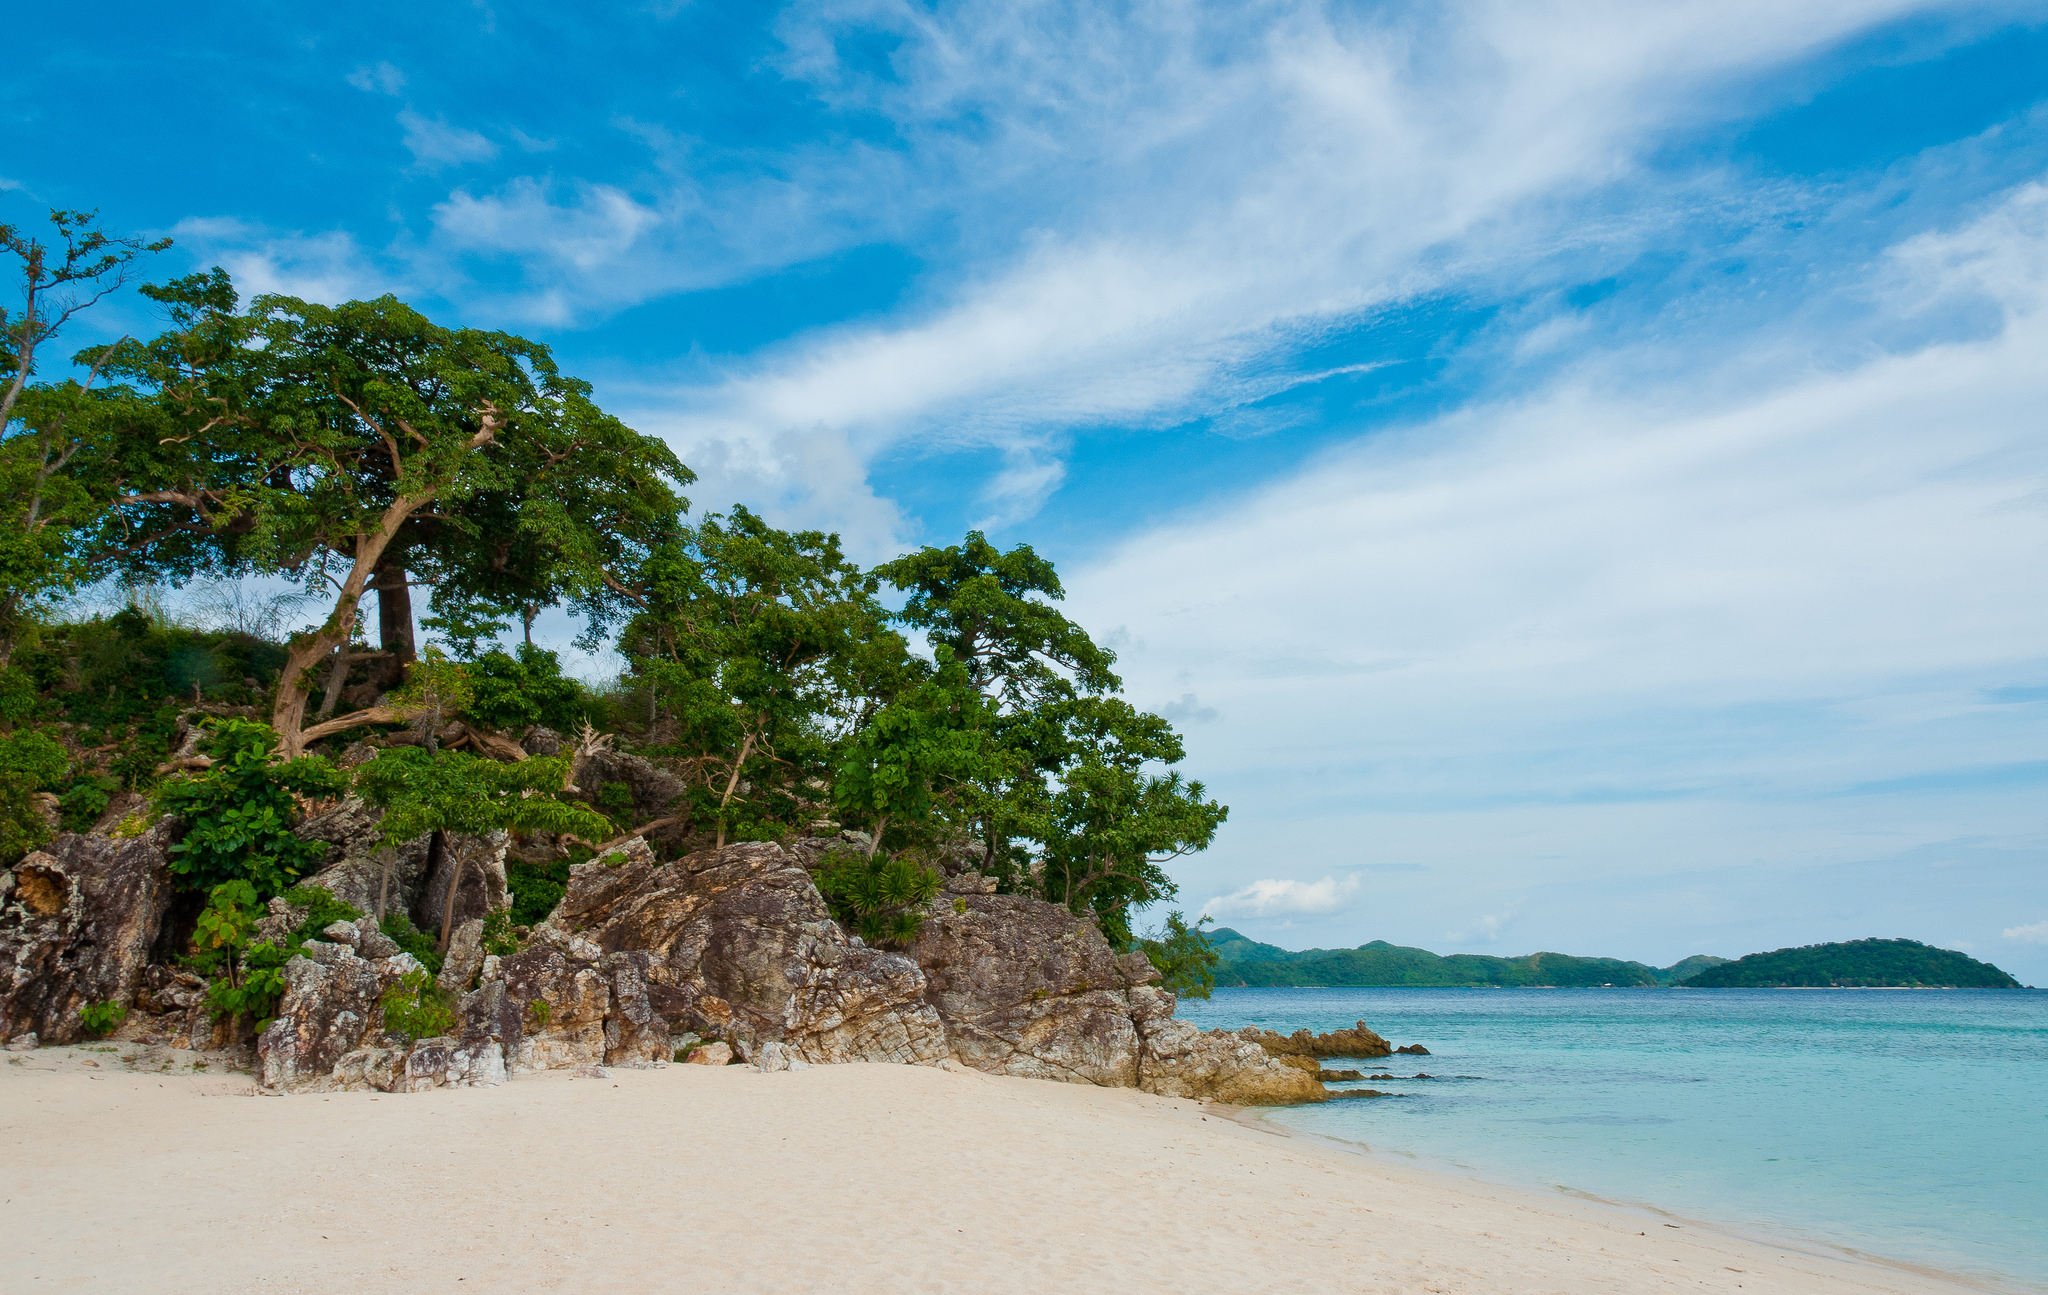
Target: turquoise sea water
column 1907, row 1124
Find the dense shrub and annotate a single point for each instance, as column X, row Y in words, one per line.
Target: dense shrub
column 239, row 812
column 416, row 1008
column 30, row 762
column 514, row 692
column 878, row 898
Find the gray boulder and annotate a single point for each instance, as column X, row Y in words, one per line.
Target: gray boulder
column 482, row 889
column 77, row 926
column 1028, row 988
column 736, row 943
column 356, row 866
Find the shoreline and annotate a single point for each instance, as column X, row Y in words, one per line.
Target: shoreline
column 842, row 1178
column 1812, row 1246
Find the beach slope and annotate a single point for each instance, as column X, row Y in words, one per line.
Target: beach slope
column 838, row 1178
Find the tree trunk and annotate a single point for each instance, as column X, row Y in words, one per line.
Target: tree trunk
column 335, row 679
column 394, row 610
column 288, row 709
column 435, row 849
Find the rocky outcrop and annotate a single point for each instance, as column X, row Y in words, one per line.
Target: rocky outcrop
column 1360, row 1042
column 329, row 1032
column 655, row 793
column 736, row 943
column 1028, row 988
column 359, row 870
column 733, row 944
column 479, row 862
column 77, row 925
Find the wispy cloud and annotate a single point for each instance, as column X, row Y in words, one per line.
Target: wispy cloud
column 327, row 267
column 1648, row 618
column 2035, row 933
column 1276, row 897
column 380, row 78
column 436, row 145
column 1275, row 170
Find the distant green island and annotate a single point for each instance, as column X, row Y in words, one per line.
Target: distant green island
column 1380, row 965
column 1383, row 965
column 1856, row 964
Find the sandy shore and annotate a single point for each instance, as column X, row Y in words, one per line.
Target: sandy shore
column 841, row 1178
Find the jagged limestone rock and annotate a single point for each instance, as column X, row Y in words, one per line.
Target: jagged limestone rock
column 482, row 890
column 1361, row 1042
column 355, row 870
column 1028, row 988
column 78, row 926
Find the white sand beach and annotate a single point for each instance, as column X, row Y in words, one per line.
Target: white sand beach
column 839, row 1178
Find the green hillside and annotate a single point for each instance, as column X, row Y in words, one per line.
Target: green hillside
column 1380, row 964
column 1856, row 964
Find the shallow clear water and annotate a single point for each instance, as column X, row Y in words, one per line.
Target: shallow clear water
column 1909, row 1124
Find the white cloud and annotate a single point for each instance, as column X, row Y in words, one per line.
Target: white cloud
column 1633, row 624
column 2036, row 933
column 594, row 230
column 327, row 267
column 1273, row 897
column 1485, row 929
column 379, row 79
column 435, row 144
column 1273, row 169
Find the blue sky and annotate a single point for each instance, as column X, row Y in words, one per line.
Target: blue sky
column 1575, row 470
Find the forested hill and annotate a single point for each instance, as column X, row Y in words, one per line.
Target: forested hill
column 1247, row 962
column 1856, row 964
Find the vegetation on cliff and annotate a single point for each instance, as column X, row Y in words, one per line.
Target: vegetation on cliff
column 1848, row 964
column 363, row 453
column 1246, row 962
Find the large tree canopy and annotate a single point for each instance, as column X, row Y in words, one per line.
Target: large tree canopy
column 342, row 445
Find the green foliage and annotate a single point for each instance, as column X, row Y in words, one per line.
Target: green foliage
column 499, row 939
column 239, row 812
column 536, row 888
column 1185, row 959
column 101, row 1019
column 85, row 800
column 542, row 1013
column 34, row 759
column 760, row 646
column 410, row 939
column 934, row 737
column 453, row 791
column 248, row 978
column 1855, row 964
column 514, row 692
column 880, row 899
column 29, row 762
column 416, row 1008
column 132, row 672
column 58, row 456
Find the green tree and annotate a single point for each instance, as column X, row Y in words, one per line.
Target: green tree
column 52, row 436
column 344, row 445
column 1183, row 956
column 764, row 648
column 1072, row 794
column 920, row 748
column 431, row 795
